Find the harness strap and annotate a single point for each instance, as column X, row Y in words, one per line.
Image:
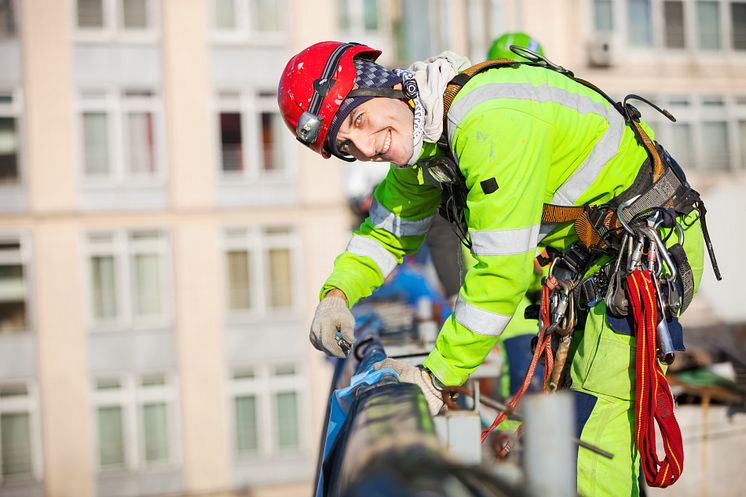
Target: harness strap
column 653, row 399
column 686, row 277
column 657, row 185
column 458, row 81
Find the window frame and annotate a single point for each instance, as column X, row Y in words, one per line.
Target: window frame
column 731, row 113
column 619, row 9
column 355, row 10
column 14, row 109
column 4, row 36
column 122, row 248
column 113, row 29
column 25, row 258
column 257, row 242
column 26, row 404
column 243, row 34
column 131, row 397
column 264, row 386
column 250, row 105
column 116, row 105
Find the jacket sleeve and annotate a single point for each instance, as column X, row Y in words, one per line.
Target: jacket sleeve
column 402, row 210
column 513, row 149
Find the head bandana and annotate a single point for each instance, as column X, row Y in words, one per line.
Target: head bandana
column 368, row 75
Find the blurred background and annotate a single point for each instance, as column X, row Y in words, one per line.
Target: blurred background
column 163, row 238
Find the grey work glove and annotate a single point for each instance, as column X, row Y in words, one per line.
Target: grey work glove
column 420, row 377
column 331, row 315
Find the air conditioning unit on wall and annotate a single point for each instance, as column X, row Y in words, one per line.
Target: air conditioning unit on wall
column 601, row 50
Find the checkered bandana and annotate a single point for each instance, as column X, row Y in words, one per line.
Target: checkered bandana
column 369, row 75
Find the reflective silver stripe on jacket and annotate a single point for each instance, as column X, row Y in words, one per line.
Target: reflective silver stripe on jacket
column 478, row 320
column 545, row 229
column 383, row 218
column 605, row 148
column 369, row 247
column 504, row 242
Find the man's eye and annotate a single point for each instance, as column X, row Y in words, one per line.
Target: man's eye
column 359, row 119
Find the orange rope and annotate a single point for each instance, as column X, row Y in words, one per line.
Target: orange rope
column 543, row 347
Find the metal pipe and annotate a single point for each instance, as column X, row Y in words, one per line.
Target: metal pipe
column 549, row 452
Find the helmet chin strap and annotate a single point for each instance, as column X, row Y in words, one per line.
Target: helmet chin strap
column 378, row 92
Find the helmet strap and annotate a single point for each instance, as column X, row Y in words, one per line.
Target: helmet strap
column 378, row 92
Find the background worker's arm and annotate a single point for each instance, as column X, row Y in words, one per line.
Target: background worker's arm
column 403, row 209
column 513, row 148
column 400, row 216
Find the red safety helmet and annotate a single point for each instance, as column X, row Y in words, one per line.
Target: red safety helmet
column 314, row 84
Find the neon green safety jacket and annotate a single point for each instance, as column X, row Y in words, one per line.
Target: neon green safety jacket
column 545, row 139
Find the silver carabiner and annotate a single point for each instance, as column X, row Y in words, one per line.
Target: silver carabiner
column 619, row 212
column 662, row 250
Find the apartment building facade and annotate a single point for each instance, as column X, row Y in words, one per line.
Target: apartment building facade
column 162, row 237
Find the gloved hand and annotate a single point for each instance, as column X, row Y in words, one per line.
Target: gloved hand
column 420, row 377
column 331, row 315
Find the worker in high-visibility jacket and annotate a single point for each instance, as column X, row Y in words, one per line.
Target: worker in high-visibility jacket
column 521, row 136
column 515, row 340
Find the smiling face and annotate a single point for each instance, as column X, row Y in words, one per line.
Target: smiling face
column 379, row 130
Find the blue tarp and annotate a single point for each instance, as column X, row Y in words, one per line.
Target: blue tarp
column 342, row 399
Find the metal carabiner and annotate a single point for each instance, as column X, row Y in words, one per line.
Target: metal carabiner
column 536, row 58
column 634, row 259
column 621, row 208
column 662, row 250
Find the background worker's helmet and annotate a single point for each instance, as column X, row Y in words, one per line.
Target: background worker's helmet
column 314, row 85
column 500, row 48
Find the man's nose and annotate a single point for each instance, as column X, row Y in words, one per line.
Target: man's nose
column 365, row 144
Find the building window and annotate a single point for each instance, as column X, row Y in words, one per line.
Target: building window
column 122, row 137
column 10, row 141
column 708, row 25
column 673, row 16
column 250, row 20
column 129, row 279
column 709, row 135
column 135, row 14
column 90, row 14
column 7, row 19
column 18, row 433
column 267, row 403
column 639, row 23
column 358, row 16
column 738, row 25
column 132, row 20
column 715, row 146
column 231, row 142
column 272, row 133
column 135, row 421
column 14, row 291
column 603, row 18
column 253, row 138
column 261, row 270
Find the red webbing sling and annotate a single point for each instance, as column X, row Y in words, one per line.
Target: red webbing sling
column 653, row 399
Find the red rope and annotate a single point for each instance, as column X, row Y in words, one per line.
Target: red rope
column 654, row 402
column 543, row 347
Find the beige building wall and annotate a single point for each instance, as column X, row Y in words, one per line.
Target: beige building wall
column 52, row 187
column 67, row 424
column 47, row 66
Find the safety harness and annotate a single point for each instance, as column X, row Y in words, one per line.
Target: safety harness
column 638, row 275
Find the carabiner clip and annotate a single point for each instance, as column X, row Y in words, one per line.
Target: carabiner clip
column 536, row 58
